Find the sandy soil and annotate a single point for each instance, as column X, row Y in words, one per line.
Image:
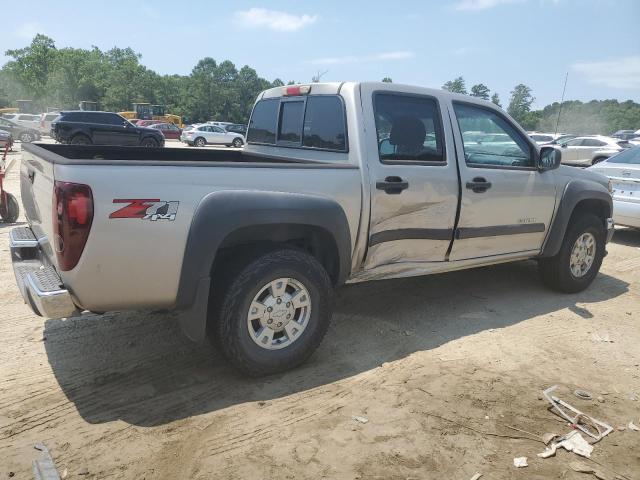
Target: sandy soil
column 440, row 367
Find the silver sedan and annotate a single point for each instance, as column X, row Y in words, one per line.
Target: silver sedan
column 623, row 171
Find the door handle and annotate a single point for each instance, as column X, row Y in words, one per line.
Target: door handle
column 479, row 185
column 392, row 185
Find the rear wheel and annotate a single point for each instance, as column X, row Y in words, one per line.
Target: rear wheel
column 11, row 210
column 274, row 312
column 598, row 160
column 149, row 142
column 580, row 256
column 237, row 142
column 80, row 140
column 200, row 142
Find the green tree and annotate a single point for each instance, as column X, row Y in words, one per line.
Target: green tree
column 387, row 80
column 520, row 102
column 495, row 98
column 456, row 85
column 481, row 91
column 31, row 65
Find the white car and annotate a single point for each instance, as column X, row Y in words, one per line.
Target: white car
column 201, row 135
column 623, row 171
column 27, row 120
column 45, row 122
column 586, row 151
column 544, row 138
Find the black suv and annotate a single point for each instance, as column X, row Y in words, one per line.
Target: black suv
column 102, row 128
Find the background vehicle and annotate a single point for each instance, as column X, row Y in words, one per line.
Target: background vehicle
column 237, row 128
column 587, row 151
column 220, row 124
column 27, row 120
column 146, row 111
column 20, row 132
column 338, row 181
column 623, row 170
column 102, row 128
column 625, row 135
column 169, row 130
column 45, row 122
column 202, row 135
column 5, row 139
column 547, row 138
column 4, row 112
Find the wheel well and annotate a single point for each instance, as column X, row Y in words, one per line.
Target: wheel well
column 245, row 244
column 597, row 207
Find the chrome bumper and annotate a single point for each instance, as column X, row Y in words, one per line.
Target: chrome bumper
column 610, row 229
column 39, row 282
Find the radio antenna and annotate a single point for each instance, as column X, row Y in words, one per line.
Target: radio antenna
column 561, row 102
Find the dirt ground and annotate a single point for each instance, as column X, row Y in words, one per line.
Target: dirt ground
column 440, row 366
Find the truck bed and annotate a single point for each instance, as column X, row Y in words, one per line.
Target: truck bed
column 106, row 155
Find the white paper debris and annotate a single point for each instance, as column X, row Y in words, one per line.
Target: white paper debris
column 360, row 419
column 633, row 426
column 520, row 462
column 572, row 442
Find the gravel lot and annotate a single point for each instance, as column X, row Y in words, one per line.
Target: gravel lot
column 440, row 366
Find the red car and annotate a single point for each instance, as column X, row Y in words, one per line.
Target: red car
column 169, row 130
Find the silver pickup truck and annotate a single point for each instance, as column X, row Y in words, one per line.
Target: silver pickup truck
column 338, row 182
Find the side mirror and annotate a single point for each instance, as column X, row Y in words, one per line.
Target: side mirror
column 549, row 159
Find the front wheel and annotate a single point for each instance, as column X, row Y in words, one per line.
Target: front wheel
column 26, row 137
column 237, row 142
column 274, row 313
column 10, row 212
column 580, row 256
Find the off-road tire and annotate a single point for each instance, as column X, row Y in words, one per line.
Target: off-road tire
column 80, row 140
column 556, row 272
column 229, row 322
column 11, row 211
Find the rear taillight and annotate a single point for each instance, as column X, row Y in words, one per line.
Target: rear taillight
column 72, row 218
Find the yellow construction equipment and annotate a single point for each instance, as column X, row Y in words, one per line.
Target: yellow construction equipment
column 146, row 111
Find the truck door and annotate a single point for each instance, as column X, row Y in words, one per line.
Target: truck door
column 506, row 203
column 413, row 179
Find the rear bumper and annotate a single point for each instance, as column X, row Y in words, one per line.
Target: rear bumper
column 38, row 281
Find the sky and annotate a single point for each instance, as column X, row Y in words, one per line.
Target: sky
column 500, row 43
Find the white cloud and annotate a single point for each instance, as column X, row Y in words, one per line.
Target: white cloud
column 480, row 4
column 401, row 55
column 274, row 20
column 616, row 73
column 28, row 30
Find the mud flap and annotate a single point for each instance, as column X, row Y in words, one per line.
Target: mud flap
column 193, row 320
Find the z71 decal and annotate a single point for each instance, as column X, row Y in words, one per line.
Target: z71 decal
column 146, row 209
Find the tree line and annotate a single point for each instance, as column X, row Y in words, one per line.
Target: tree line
column 62, row 77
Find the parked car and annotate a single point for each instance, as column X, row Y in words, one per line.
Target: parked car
column 249, row 244
column 20, row 132
column 563, row 138
column 623, row 170
column 543, row 138
column 169, row 130
column 237, row 128
column 219, row 124
column 102, row 128
column 5, row 139
column 148, row 123
column 202, row 135
column 585, row 151
column 27, row 120
column 625, row 135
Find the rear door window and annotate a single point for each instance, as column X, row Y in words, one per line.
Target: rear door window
column 262, row 127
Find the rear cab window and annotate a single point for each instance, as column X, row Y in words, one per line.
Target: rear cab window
column 315, row 122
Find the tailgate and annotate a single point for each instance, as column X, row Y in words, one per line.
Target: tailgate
column 36, row 189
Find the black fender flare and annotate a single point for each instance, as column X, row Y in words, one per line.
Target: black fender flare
column 574, row 192
column 221, row 213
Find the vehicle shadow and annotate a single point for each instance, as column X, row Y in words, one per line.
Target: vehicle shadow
column 138, row 367
column 629, row 237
